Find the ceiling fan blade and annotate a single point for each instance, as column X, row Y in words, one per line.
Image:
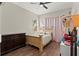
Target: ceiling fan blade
column 0, row 3
column 41, row 3
column 33, row 2
column 47, row 2
column 45, row 6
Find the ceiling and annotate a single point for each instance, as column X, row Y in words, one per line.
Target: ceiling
column 52, row 7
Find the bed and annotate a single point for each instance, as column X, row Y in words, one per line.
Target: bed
column 38, row 40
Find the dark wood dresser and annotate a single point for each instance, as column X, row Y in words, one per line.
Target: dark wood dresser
column 11, row 42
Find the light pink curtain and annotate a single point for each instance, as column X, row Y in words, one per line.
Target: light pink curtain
column 56, row 24
column 58, row 29
column 49, row 22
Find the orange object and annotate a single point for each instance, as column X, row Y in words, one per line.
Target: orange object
column 75, row 19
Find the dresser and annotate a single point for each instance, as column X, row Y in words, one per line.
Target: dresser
column 11, row 42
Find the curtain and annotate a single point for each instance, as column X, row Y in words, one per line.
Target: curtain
column 54, row 25
column 49, row 24
column 58, row 29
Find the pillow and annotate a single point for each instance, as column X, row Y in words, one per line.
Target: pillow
column 67, row 43
column 66, row 37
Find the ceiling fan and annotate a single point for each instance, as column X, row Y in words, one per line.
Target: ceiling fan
column 42, row 4
column 0, row 3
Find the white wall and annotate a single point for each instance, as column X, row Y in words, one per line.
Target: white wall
column 0, row 19
column 16, row 19
column 57, row 13
column 75, row 8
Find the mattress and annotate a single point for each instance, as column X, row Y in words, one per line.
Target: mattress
column 46, row 38
column 33, row 34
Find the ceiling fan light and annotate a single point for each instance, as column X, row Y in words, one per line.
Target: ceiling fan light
column 41, row 5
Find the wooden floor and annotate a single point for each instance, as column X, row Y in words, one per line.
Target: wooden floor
column 52, row 49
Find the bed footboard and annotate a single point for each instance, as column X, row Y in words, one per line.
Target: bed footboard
column 35, row 41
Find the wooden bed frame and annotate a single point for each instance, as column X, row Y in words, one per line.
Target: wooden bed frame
column 35, row 41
